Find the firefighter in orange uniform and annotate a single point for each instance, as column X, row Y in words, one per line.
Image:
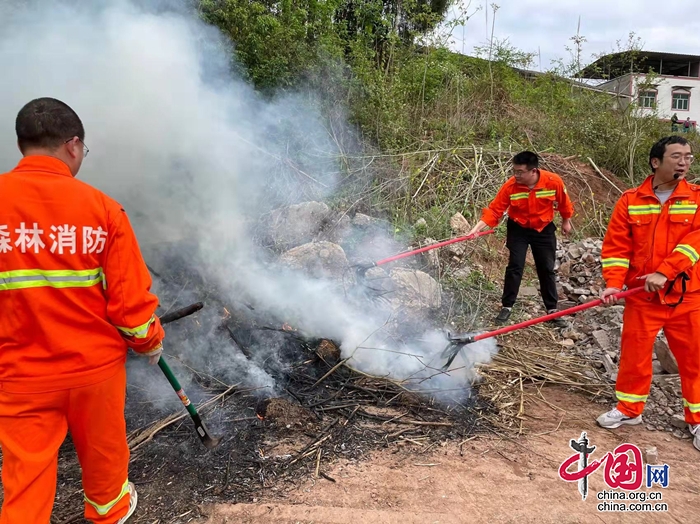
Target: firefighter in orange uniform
column 74, row 295
column 530, row 197
column 653, row 239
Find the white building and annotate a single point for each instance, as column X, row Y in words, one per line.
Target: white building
column 659, row 83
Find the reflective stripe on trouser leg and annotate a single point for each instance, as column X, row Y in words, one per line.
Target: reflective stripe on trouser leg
column 683, row 334
column 97, row 425
column 641, row 323
column 103, row 509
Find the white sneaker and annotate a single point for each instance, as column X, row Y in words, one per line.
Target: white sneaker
column 695, row 431
column 615, row 418
column 133, row 500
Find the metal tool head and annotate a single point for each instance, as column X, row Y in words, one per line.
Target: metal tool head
column 209, row 441
column 450, row 353
column 362, row 267
column 461, row 338
column 455, row 345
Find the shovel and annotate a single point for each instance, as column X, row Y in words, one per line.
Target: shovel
column 457, row 342
column 362, row 268
column 207, row 439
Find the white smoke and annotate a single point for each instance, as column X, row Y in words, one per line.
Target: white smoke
column 193, row 152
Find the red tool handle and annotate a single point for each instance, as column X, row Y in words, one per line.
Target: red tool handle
column 433, row 246
column 563, row 312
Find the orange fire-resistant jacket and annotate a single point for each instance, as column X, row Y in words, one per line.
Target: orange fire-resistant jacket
column 74, row 289
column 644, row 237
column 531, row 208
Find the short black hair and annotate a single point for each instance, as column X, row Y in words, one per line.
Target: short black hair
column 526, row 158
column 659, row 149
column 47, row 123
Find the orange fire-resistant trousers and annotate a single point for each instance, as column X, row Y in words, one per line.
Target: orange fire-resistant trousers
column 33, row 427
column 643, row 317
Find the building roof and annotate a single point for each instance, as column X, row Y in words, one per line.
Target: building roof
column 530, row 74
column 620, row 64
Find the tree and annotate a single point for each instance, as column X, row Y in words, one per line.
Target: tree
column 276, row 41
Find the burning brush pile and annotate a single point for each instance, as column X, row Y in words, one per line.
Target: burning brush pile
column 285, row 392
column 305, row 353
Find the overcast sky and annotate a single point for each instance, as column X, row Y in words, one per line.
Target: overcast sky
column 548, row 25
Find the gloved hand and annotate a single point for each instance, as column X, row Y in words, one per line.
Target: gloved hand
column 153, row 355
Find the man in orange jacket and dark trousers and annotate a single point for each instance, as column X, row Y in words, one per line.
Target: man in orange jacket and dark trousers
column 530, row 197
column 653, row 239
column 74, row 295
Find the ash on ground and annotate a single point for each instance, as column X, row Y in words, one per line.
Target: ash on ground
column 282, row 400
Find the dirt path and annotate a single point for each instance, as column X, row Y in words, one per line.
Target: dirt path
column 491, row 480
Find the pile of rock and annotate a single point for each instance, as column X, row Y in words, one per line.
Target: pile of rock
column 323, row 244
column 595, row 334
column 579, row 270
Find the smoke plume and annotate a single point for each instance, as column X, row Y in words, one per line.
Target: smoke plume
column 192, row 152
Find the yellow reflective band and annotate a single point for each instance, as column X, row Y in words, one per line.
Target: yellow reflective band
column 519, row 196
column 649, row 209
column 615, row 262
column 693, row 408
column 32, row 278
column 138, row 332
column 682, row 209
column 629, row 397
column 688, row 251
column 104, row 509
column 546, row 193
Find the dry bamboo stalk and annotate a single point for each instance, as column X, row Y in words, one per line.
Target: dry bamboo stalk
column 147, row 435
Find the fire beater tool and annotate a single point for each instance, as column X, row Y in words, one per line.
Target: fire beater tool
column 364, row 267
column 203, row 433
column 457, row 342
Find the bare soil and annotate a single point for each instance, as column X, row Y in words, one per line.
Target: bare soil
column 487, row 479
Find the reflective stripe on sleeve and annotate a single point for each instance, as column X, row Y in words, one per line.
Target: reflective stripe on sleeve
column 615, row 262
column 31, row 278
column 139, row 331
column 688, row 251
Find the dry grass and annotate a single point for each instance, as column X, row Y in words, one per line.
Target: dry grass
column 533, row 357
column 435, row 183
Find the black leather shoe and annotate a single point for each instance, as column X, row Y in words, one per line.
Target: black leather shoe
column 503, row 316
column 557, row 322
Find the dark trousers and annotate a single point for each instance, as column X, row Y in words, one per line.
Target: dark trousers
column 544, row 247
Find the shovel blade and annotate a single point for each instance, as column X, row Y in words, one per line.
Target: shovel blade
column 211, row 442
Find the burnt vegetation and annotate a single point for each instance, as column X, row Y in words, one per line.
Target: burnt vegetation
column 275, row 435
